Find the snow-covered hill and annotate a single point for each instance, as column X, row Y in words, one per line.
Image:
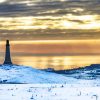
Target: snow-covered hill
column 69, row 85
column 16, row 74
column 24, row 74
column 88, row 73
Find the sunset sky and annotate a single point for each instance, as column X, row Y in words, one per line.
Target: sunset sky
column 49, row 19
column 60, row 27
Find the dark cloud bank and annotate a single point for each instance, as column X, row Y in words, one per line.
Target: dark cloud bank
column 38, row 8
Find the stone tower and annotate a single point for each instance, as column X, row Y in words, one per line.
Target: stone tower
column 7, row 54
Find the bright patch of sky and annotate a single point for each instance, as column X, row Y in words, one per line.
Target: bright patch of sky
column 49, row 15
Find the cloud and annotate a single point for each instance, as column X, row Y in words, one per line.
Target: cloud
column 48, row 34
column 49, row 19
column 41, row 7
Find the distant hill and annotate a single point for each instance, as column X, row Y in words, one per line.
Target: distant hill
column 88, row 72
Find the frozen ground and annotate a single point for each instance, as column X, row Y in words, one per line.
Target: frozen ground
column 33, row 84
column 22, row 74
column 48, row 92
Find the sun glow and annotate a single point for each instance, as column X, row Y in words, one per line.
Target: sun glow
column 48, row 22
column 1, row 1
column 63, row 0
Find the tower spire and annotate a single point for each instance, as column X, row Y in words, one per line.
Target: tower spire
column 7, row 54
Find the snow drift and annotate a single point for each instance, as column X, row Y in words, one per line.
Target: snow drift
column 23, row 74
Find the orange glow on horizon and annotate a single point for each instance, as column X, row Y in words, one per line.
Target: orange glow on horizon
column 55, row 46
column 97, row 41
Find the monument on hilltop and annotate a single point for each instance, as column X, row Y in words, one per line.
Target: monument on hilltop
column 7, row 54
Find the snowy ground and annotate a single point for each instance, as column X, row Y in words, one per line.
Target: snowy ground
column 33, row 84
column 24, row 74
column 47, row 92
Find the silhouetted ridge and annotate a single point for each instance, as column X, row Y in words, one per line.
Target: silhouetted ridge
column 88, row 72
